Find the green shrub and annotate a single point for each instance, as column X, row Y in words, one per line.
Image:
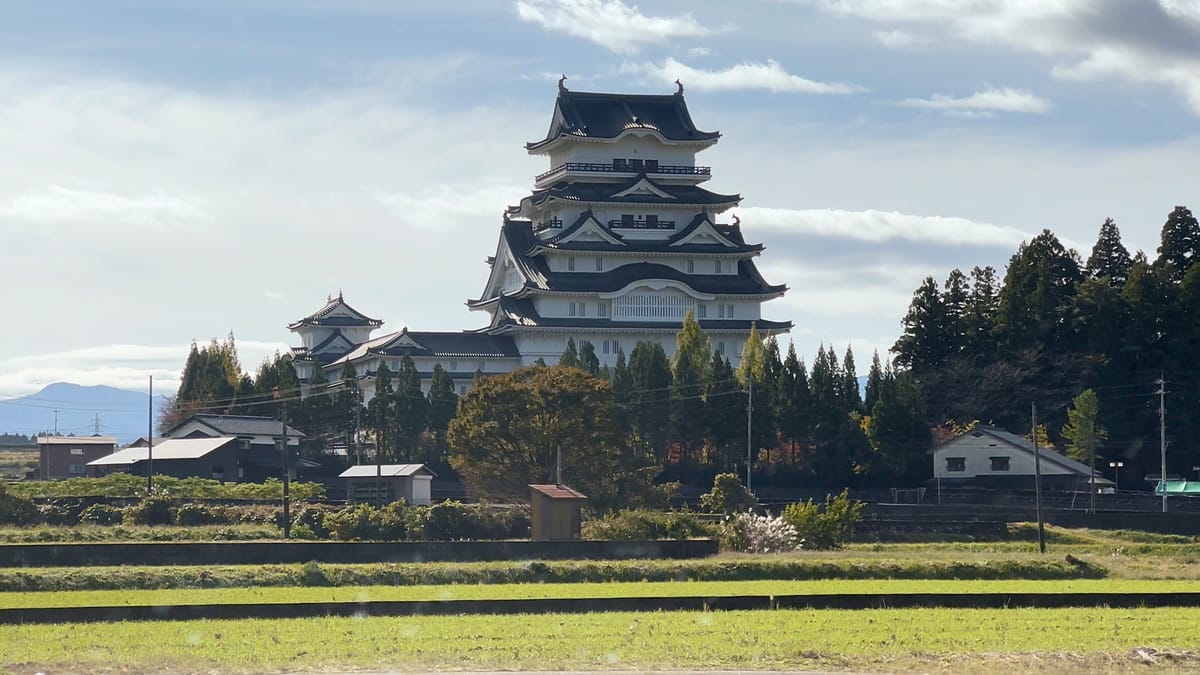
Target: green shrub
column 311, row 517
column 101, row 514
column 389, row 521
column 59, row 512
column 126, row 485
column 728, row 495
column 449, row 520
column 351, row 522
column 150, row 511
column 825, row 528
column 311, row 574
column 15, row 509
column 194, row 514
column 645, row 524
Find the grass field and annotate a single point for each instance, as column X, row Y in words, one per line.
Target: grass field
column 925, row 640
column 603, row 590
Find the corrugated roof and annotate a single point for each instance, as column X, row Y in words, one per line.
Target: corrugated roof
column 76, row 440
column 558, row 492
column 386, row 471
column 175, row 448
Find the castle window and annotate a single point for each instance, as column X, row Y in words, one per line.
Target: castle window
column 721, row 347
column 605, row 348
column 572, row 309
column 721, row 311
column 599, row 264
column 691, row 266
column 602, row 308
column 583, row 309
column 571, row 264
column 453, row 365
column 702, row 311
column 729, row 312
column 717, row 266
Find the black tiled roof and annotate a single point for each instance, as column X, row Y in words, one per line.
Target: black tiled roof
column 731, row 232
column 458, row 344
column 521, row 312
column 238, row 425
column 537, row 275
column 598, row 115
column 603, row 193
column 321, row 316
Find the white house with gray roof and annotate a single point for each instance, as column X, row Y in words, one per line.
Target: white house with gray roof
column 987, row 456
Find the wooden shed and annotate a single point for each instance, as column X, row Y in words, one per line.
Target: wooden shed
column 555, row 512
column 410, row 482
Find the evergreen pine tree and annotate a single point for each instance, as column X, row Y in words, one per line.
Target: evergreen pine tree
column 1110, row 259
column 924, row 343
column 689, row 374
column 570, row 356
column 650, row 399
column 874, row 379
column 410, row 408
column 1180, row 247
column 850, row 391
column 588, row 361
column 443, row 402
column 379, row 413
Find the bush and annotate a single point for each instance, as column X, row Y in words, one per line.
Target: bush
column 151, row 511
column 126, row 485
column 450, row 520
column 825, row 528
column 750, row 533
column 194, row 514
column 16, row 510
column 644, row 524
column 728, row 495
column 101, row 514
column 351, row 522
column 310, row 518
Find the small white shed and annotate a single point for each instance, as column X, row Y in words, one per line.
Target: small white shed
column 410, row 482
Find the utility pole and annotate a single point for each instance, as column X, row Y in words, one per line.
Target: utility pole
column 96, row 424
column 55, row 422
column 1162, row 437
column 283, row 444
column 749, row 428
column 1037, row 481
column 1092, row 465
column 150, row 440
column 380, row 440
column 357, row 410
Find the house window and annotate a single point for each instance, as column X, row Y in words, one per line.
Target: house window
column 599, row 264
column 571, row 264
column 956, row 464
column 691, row 266
column 76, row 451
column 999, row 463
column 77, row 469
column 702, row 311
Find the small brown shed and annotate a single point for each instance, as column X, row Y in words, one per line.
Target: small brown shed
column 555, row 512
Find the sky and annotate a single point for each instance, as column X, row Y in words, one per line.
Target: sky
column 179, row 171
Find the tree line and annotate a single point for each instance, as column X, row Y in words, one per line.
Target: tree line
column 1084, row 341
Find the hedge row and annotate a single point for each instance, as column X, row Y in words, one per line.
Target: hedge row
column 125, row 485
column 412, row 574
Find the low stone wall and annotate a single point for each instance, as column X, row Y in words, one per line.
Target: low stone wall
column 255, row 553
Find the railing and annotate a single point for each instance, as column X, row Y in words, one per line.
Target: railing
column 553, row 222
column 642, row 224
column 649, row 167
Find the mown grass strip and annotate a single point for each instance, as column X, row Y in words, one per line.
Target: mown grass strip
column 925, row 639
column 740, row 568
column 567, row 591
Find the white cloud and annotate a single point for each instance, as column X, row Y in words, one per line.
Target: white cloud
column 770, row 76
column 900, row 39
column 983, row 102
column 699, row 51
column 441, row 206
column 1155, row 41
column 882, row 226
column 58, row 205
column 611, row 24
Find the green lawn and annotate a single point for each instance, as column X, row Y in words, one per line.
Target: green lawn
column 938, row 639
column 586, row 590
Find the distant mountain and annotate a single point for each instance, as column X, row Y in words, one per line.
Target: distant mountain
column 120, row 412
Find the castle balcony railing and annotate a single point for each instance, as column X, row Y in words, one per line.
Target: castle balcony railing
column 629, row 166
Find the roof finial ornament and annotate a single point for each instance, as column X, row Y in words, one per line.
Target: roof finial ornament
column 679, row 92
column 561, row 86
column 339, row 295
column 737, row 222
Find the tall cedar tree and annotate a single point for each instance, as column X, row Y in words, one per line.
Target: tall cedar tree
column 210, row 383
column 854, row 402
column 410, row 408
column 1180, row 247
column 443, row 403
column 689, row 374
column 379, row 413
column 794, row 407
column 1083, row 432
column 957, row 303
column 725, row 402
column 570, row 355
column 981, row 310
column 1039, row 290
column 874, row 379
column 924, row 344
column 588, row 361
column 649, row 401
column 899, row 433
column 1110, row 259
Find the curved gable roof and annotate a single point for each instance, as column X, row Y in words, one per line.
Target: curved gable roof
column 605, row 116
